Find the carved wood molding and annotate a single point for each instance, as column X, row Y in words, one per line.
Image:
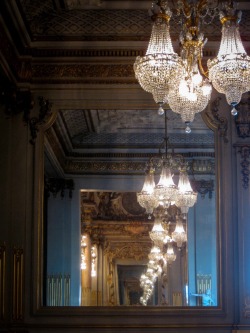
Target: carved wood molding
column 2, row 280
column 18, row 284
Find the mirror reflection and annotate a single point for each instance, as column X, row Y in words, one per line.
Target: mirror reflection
column 108, row 242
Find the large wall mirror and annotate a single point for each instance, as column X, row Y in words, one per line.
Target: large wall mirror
column 98, row 243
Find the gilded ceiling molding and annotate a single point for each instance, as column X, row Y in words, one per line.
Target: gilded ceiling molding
column 129, row 167
column 83, row 71
column 217, row 121
column 2, row 280
column 128, row 250
column 18, row 284
column 86, row 53
column 104, row 167
column 99, row 231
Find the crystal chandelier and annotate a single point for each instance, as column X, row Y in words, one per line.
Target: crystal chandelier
column 161, row 66
column 181, row 81
column 194, row 91
column 166, row 192
column 230, row 70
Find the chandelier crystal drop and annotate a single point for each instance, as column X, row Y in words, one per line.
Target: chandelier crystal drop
column 161, row 66
column 229, row 72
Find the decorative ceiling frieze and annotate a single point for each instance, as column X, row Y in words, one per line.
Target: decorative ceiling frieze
column 79, row 22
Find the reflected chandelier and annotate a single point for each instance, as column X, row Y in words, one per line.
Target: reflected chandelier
column 166, row 192
column 162, row 252
column 181, row 81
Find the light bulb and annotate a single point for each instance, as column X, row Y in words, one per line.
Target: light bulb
column 192, row 96
column 183, row 88
column 197, row 79
column 206, row 88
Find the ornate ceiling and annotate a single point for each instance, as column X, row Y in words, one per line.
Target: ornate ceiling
column 91, row 45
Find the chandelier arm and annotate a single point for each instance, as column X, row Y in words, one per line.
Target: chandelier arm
column 205, row 73
column 202, row 4
column 186, row 9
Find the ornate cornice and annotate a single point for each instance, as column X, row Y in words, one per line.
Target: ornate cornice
column 129, row 167
column 121, row 163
